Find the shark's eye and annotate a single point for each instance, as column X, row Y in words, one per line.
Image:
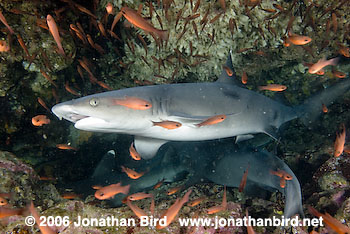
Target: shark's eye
column 94, row 102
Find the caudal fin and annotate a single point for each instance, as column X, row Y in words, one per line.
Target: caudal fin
column 311, row 109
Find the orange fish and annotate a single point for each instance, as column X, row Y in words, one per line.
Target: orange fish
column 43, row 104
column 196, row 201
column 131, row 173
column 3, row 20
column 339, row 142
column 70, row 195
column 173, row 190
column 3, row 201
column 133, row 152
column 228, row 70
column 243, row 181
column 297, row 40
column 6, row 212
column 250, row 229
column 320, row 72
column 40, row 120
column 223, row 206
column 70, row 89
column 66, row 147
column 139, row 196
column 244, row 78
column 158, row 184
column 110, row 9
column 174, row 210
column 343, row 50
column 111, row 190
column 54, row 32
column 137, row 210
column 4, row 47
column 324, row 108
column 167, row 124
column 212, row 120
column 273, row 87
column 133, row 103
column 321, row 64
column 35, row 214
column 283, row 175
column 136, row 19
column 333, row 223
column 338, row 74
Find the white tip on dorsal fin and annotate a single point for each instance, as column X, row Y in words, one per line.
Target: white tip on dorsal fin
column 147, row 147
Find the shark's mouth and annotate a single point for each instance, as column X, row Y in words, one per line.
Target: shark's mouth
column 66, row 112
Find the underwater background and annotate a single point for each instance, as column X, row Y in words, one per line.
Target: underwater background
column 50, row 164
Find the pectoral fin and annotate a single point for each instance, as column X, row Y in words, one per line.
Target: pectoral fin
column 147, row 147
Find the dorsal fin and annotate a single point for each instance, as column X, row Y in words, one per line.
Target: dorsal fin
column 224, row 77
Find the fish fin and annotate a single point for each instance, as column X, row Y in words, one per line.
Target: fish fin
column 272, row 132
column 224, row 77
column 311, row 109
column 106, row 165
column 147, row 147
column 240, row 138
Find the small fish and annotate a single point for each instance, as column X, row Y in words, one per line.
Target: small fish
column 133, row 153
column 297, row 39
column 111, row 190
column 321, row 64
column 3, row 201
column 131, row 173
column 212, row 120
column 44, row 229
column 137, row 210
column 228, row 70
column 136, row 19
column 43, row 104
column 283, row 175
column 110, row 9
column 324, row 108
column 133, row 103
column 40, row 120
column 66, row 147
column 139, row 196
column 167, row 124
column 54, row 32
column 174, row 210
column 338, row 74
column 70, row 195
column 244, row 180
column 195, row 202
column 158, row 184
column 339, row 142
column 273, row 87
column 48, row 78
column 70, row 89
column 223, row 206
column 7, row 212
column 333, row 223
column 173, row 190
column 4, row 47
column 244, row 78
column 3, row 20
column 250, row 229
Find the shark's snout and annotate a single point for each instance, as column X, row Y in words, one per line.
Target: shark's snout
column 66, row 111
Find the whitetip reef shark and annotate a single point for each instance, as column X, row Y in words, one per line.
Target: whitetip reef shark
column 188, row 112
column 216, row 161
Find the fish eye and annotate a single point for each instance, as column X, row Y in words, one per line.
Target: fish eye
column 94, row 102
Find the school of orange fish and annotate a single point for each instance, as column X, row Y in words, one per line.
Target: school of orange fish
column 138, row 21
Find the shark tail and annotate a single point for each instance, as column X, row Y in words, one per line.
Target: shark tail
column 311, row 109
